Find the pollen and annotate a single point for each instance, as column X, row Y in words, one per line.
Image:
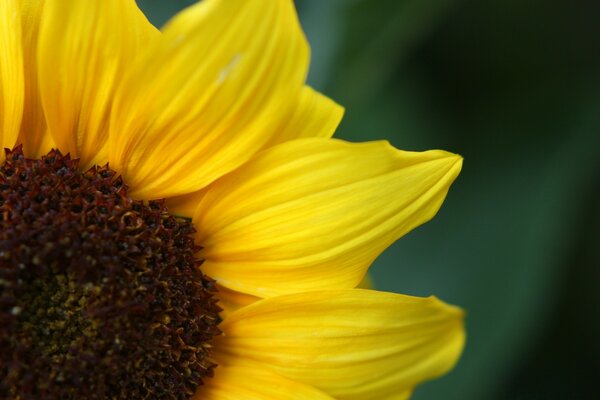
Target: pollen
column 101, row 296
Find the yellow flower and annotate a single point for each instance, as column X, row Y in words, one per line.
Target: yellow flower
column 213, row 115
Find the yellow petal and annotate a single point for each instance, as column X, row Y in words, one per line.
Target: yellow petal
column 398, row 395
column 366, row 283
column 351, row 343
column 230, row 300
column 11, row 74
column 33, row 135
column 209, row 96
column 314, row 213
column 315, row 115
column 239, row 383
column 186, row 204
column 84, row 49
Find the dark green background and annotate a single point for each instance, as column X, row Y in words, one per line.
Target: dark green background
column 513, row 86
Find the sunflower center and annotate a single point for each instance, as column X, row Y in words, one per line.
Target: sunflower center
column 101, row 296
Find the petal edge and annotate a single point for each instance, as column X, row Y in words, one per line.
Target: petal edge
column 314, row 213
column 352, row 344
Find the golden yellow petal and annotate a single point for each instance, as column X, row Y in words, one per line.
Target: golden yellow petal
column 405, row 395
column 314, row 213
column 240, row 383
column 230, row 300
column 366, row 283
column 186, row 204
column 314, row 115
column 84, row 49
column 11, row 74
column 209, row 96
column 351, row 343
column 33, row 134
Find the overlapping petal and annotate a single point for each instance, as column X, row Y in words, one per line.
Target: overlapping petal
column 313, row 213
column 11, row 74
column 352, row 344
column 186, row 204
column 230, row 300
column 242, row 383
column 314, row 115
column 33, row 135
column 211, row 94
column 83, row 51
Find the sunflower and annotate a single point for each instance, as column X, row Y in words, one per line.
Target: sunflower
column 177, row 222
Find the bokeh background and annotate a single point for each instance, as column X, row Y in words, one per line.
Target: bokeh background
column 513, row 86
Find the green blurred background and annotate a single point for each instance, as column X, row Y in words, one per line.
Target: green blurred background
column 513, row 86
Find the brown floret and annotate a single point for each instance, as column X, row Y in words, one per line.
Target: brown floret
column 101, row 296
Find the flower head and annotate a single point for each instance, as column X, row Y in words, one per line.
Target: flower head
column 176, row 221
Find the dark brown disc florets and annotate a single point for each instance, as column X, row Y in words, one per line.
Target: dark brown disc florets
column 101, row 296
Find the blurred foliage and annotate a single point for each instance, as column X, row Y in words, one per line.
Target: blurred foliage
column 513, row 86
column 159, row 11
